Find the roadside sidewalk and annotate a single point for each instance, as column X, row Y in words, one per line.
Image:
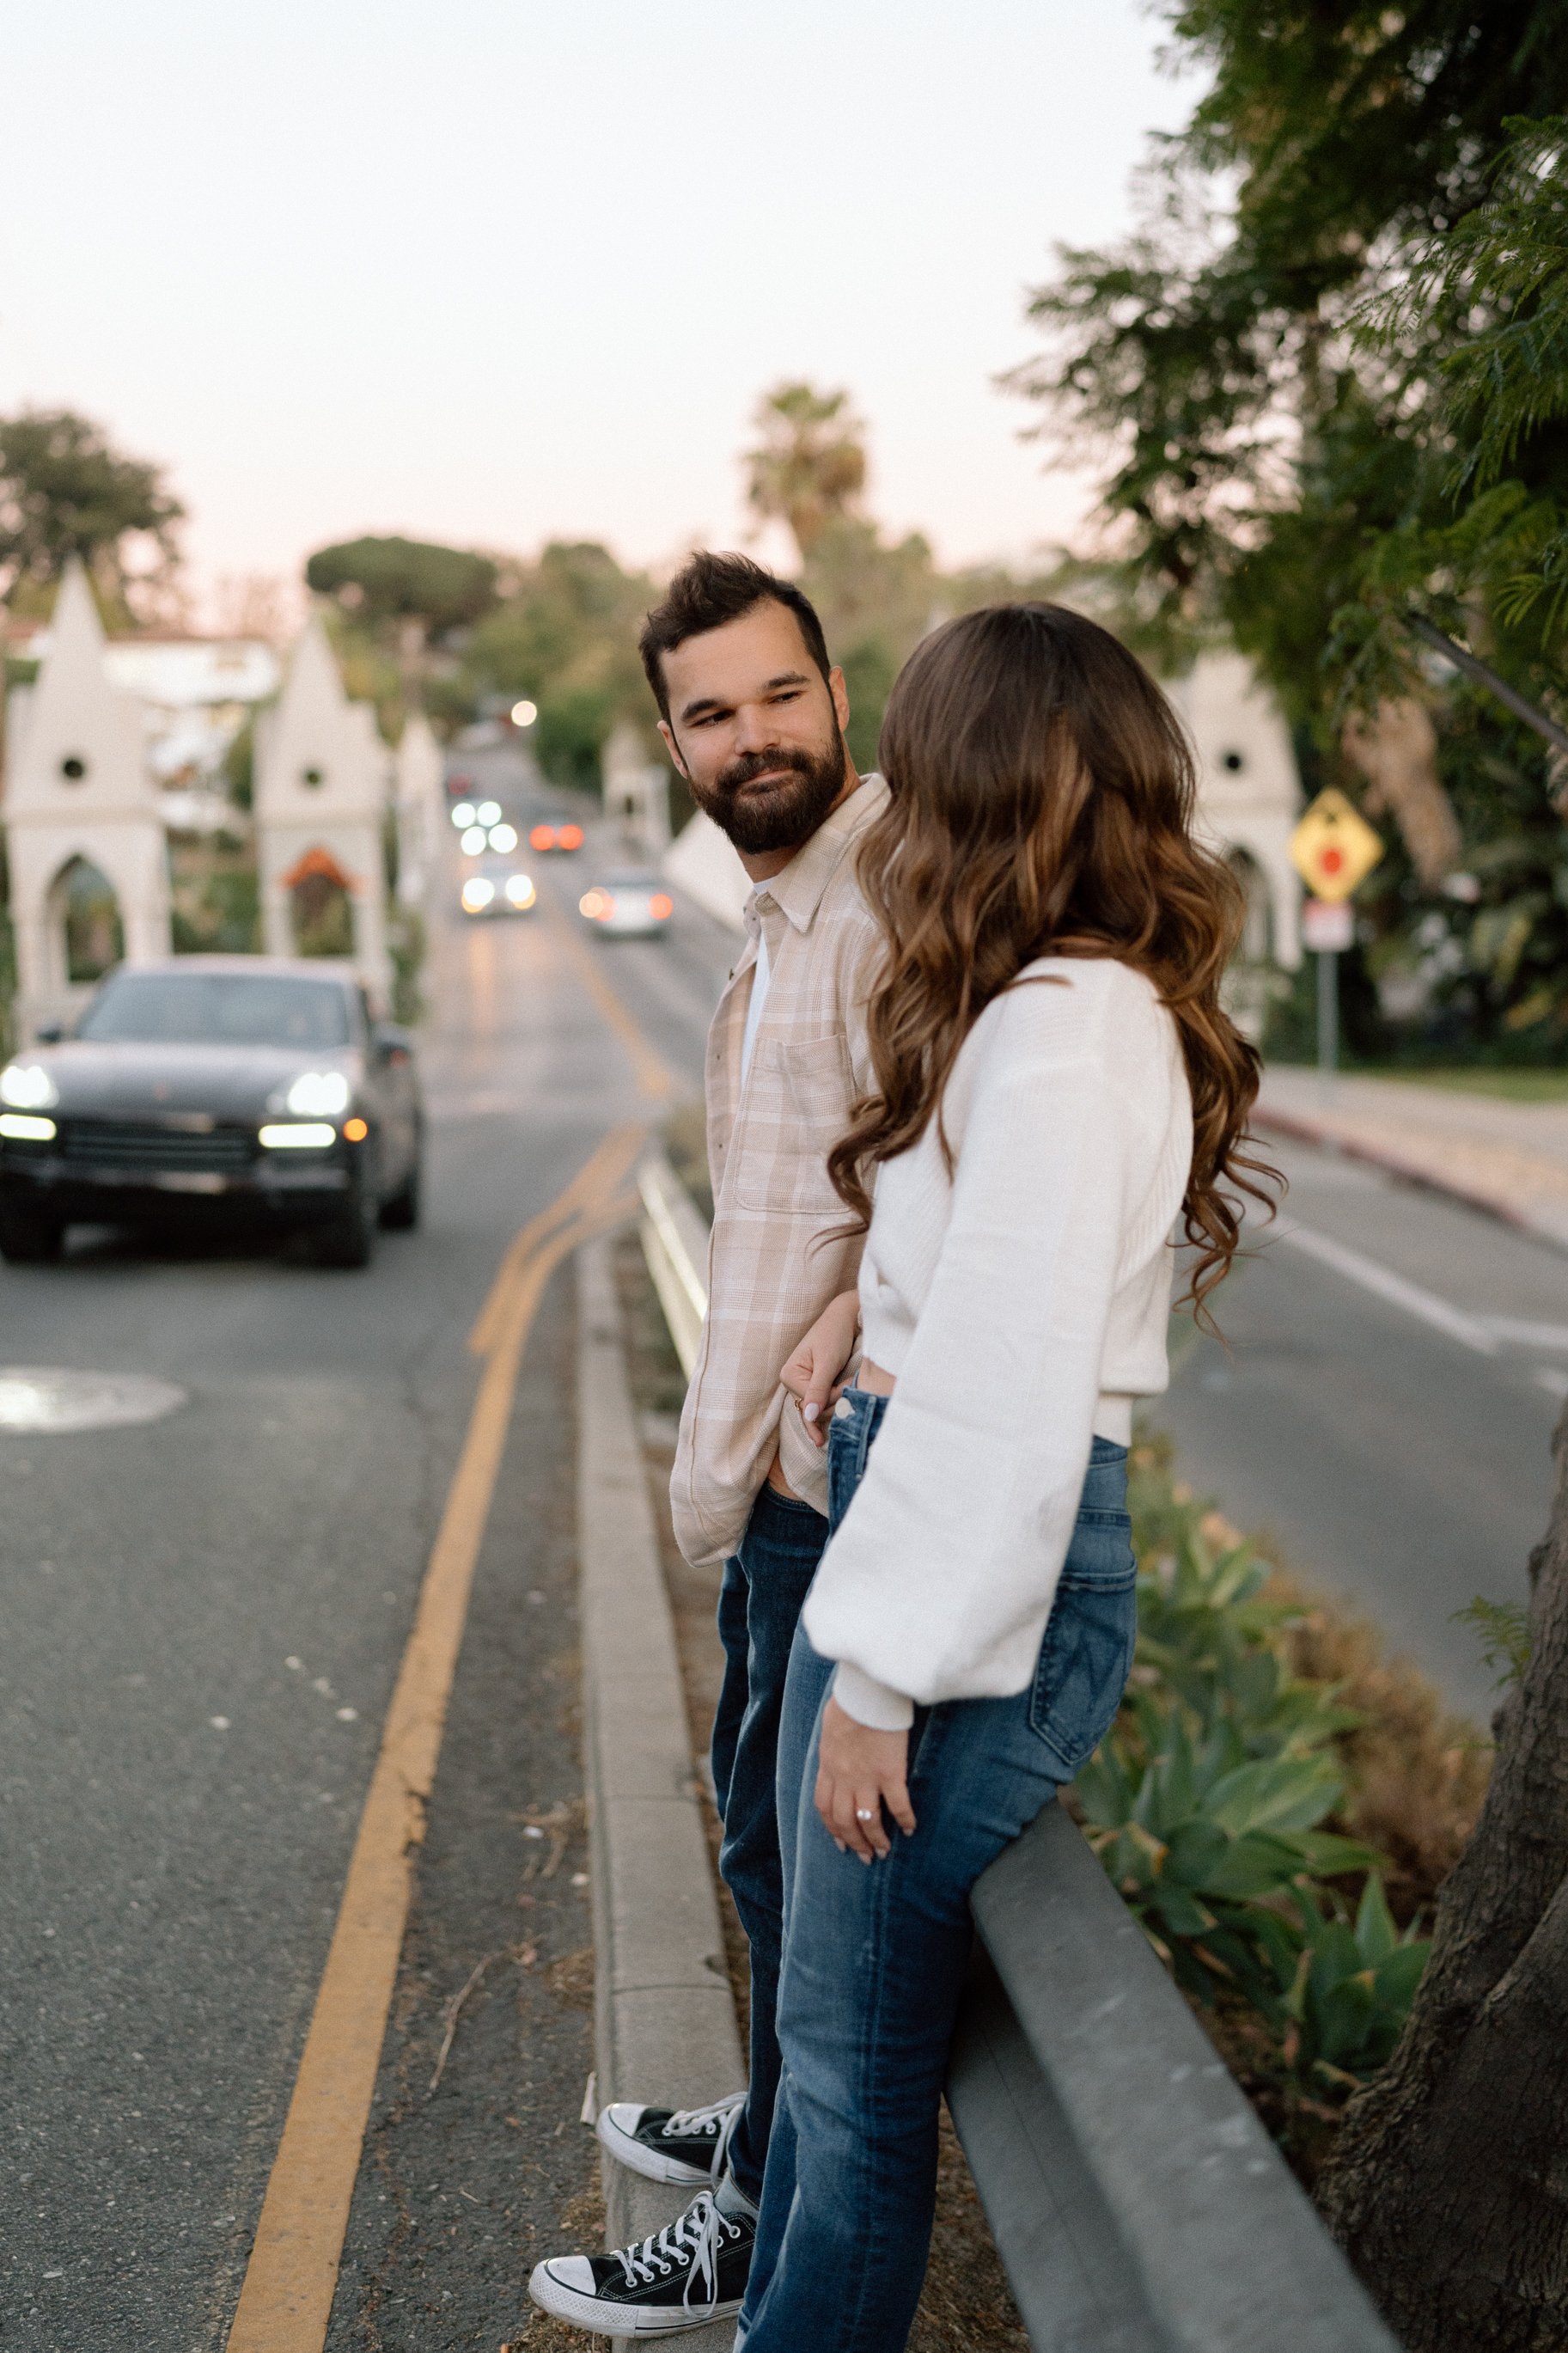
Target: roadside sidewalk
column 1508, row 1158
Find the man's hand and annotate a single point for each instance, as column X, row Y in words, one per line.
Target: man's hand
column 858, row 1772
column 812, row 1374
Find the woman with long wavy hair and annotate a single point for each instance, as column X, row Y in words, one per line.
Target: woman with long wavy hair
column 1058, row 1090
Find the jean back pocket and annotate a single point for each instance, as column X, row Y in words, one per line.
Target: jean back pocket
column 1087, row 1653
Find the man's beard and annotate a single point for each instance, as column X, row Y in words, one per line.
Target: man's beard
column 787, row 811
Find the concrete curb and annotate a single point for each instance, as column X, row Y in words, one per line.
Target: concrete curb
column 664, row 2019
column 1300, row 1128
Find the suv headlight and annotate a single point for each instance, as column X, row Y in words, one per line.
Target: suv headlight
column 27, row 1086
column 317, row 1095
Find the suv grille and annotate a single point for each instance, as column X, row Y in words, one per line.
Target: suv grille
column 133, row 1144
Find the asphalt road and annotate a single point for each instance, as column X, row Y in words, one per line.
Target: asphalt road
column 1384, row 1408
column 201, row 1620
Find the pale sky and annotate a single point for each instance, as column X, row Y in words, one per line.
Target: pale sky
column 491, row 271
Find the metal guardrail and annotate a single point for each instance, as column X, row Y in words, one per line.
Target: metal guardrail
column 1137, row 2203
column 673, row 1236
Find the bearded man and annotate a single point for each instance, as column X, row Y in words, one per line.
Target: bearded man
column 754, row 715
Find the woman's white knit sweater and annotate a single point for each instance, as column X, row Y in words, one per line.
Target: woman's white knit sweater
column 1022, row 1304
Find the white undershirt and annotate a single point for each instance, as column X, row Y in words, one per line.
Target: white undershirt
column 760, row 980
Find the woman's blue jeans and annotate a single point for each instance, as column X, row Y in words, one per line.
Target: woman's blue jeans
column 875, row 1955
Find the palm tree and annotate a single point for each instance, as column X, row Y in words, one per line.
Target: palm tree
column 810, row 465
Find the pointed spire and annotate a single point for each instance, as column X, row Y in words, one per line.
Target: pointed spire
column 83, row 746
column 314, row 677
column 75, row 620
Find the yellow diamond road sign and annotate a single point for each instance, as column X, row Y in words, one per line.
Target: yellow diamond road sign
column 1333, row 848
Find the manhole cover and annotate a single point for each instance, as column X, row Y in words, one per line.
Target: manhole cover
column 45, row 1398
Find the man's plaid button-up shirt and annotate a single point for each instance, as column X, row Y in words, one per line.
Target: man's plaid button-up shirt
column 778, row 1253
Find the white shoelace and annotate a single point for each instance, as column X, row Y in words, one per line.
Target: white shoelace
column 726, row 2135
column 693, row 2239
column 703, row 2120
column 719, row 2118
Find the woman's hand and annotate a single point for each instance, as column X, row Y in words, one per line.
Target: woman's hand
column 858, row 1772
column 812, row 1373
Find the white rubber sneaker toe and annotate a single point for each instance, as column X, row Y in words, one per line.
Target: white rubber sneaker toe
column 573, row 2272
column 676, row 2146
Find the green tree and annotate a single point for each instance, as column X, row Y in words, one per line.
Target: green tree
column 66, row 491
column 876, row 601
column 809, row 468
column 1268, row 368
column 1213, row 357
column 1479, row 323
column 562, row 634
column 392, row 580
column 405, row 595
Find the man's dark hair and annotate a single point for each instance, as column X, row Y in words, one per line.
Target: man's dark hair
column 709, row 590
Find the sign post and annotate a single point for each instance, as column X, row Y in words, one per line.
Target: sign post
column 1332, row 850
column 1327, row 928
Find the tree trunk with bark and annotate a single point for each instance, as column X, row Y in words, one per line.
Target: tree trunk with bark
column 1448, row 2187
column 1395, row 749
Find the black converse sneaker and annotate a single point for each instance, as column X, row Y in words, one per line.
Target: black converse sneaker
column 691, row 2272
column 680, row 2145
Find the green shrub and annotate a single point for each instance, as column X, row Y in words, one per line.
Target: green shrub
column 1214, row 1801
column 1503, row 1629
column 216, row 907
column 406, row 940
column 1353, row 1986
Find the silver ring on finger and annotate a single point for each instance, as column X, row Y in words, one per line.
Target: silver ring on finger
column 864, row 1813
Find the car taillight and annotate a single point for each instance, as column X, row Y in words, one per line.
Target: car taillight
column 660, row 907
column 541, row 838
column 570, row 837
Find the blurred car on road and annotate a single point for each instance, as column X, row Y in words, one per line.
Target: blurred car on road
column 498, row 887
column 481, row 826
column 554, row 833
column 627, row 906
column 197, row 1087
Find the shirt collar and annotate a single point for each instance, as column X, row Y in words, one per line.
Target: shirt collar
column 796, row 891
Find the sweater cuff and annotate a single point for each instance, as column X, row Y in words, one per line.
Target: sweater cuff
column 870, row 1703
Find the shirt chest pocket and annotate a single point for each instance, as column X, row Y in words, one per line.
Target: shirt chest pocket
column 795, row 1108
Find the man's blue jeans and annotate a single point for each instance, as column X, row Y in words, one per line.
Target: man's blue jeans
column 875, row 1955
column 759, row 1602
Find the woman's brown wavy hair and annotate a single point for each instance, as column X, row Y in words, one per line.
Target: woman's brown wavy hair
column 1041, row 799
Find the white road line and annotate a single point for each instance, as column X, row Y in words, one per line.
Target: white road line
column 1520, row 1334
column 1382, row 1281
